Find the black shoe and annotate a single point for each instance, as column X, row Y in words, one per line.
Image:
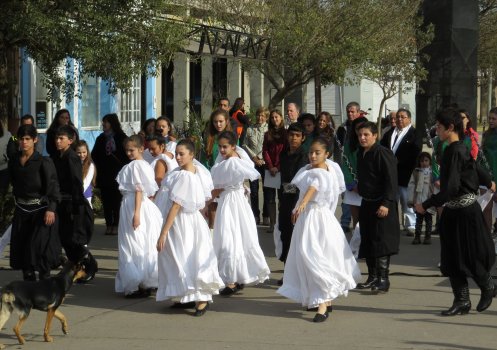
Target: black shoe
column 320, row 317
column 239, row 286
column 458, row 307
column 280, row 282
column 427, row 240
column 371, row 281
column 328, row 309
column 140, row 293
column 486, row 298
column 382, row 285
column 189, row 305
column 227, row 291
column 199, row 313
column 416, row 240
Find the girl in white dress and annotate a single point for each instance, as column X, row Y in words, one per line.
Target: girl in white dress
column 240, row 258
column 320, row 265
column 139, row 225
column 187, row 262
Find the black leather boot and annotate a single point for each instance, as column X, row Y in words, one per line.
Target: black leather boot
column 372, row 276
column 461, row 304
column 488, row 292
column 383, row 283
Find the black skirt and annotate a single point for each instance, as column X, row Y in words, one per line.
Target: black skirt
column 379, row 236
column 34, row 245
column 466, row 246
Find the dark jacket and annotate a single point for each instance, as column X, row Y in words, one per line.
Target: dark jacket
column 407, row 154
column 109, row 165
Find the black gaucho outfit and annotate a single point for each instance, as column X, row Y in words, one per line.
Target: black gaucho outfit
column 466, row 246
column 34, row 246
column 290, row 164
column 75, row 213
column 380, row 237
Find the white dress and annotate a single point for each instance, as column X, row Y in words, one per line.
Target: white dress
column 137, row 259
column 160, row 199
column 188, row 264
column 240, row 258
column 320, row 265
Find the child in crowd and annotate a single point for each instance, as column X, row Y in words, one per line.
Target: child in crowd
column 320, row 266
column 421, row 188
column 187, row 262
column 325, row 128
column 164, row 128
column 309, row 123
column 83, row 153
column 292, row 159
column 139, row 225
column 163, row 160
column 240, row 258
column 274, row 143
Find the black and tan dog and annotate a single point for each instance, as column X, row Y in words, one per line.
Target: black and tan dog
column 45, row 295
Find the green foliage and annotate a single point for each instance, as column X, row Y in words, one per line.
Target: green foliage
column 487, row 59
column 113, row 39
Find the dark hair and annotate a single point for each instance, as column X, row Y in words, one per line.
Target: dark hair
column 26, row 117
column 321, row 141
column 169, row 124
column 406, row 111
column 136, row 139
column 451, row 116
column 465, row 112
column 367, row 125
column 55, row 122
column 296, row 127
column 224, row 99
column 66, row 130
column 307, row 116
column 230, row 136
column 329, row 117
column 114, row 122
column 146, row 123
column 237, row 105
column 27, row 130
column 275, row 133
column 161, row 140
column 188, row 144
column 493, row 111
column 422, row 156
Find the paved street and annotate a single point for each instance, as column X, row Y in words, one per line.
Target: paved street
column 257, row 318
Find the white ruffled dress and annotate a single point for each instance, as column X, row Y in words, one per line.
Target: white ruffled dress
column 240, row 258
column 188, row 264
column 161, row 196
column 137, row 259
column 320, row 265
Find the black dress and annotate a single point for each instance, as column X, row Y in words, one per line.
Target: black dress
column 466, row 246
column 34, row 246
column 290, row 164
column 377, row 185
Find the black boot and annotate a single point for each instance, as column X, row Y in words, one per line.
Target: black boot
column 272, row 216
column 417, row 239
column 383, row 283
column 461, row 304
column 428, row 221
column 488, row 292
column 372, row 277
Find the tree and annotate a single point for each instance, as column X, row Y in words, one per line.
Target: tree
column 396, row 65
column 313, row 37
column 487, row 47
column 116, row 40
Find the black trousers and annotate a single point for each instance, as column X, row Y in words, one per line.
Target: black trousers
column 111, row 201
column 75, row 229
column 254, row 195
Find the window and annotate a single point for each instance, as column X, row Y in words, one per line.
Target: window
column 90, row 102
column 130, row 103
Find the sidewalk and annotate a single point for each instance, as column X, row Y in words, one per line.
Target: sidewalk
column 407, row 317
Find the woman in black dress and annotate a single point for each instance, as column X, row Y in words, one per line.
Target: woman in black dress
column 109, row 157
column 34, row 244
column 466, row 246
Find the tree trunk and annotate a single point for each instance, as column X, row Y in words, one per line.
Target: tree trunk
column 9, row 87
column 380, row 113
column 281, row 94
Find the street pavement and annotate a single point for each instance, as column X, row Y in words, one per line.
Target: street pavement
column 407, row 317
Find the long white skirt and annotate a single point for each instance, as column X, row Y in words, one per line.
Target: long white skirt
column 188, row 265
column 240, row 258
column 320, row 266
column 137, row 259
column 160, row 200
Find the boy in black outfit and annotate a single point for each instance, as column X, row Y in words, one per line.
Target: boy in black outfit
column 74, row 212
column 292, row 158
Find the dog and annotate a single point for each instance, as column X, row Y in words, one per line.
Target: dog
column 44, row 295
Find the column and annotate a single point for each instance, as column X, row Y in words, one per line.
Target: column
column 181, row 83
column 234, row 75
column 257, row 92
column 207, row 86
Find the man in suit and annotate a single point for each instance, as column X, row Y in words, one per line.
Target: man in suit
column 406, row 146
